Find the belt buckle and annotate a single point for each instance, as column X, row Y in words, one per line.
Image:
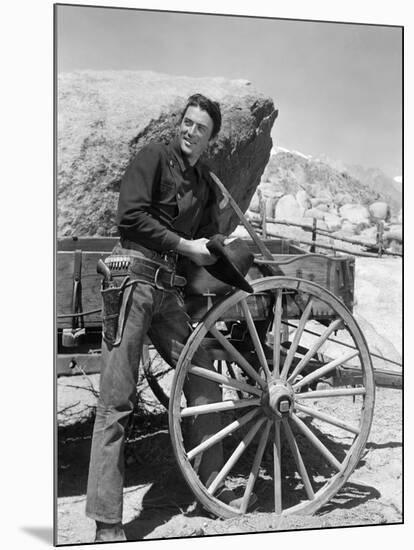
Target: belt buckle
column 157, row 273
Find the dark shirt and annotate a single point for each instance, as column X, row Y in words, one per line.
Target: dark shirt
column 163, row 198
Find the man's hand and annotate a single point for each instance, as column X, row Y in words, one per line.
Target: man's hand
column 197, row 251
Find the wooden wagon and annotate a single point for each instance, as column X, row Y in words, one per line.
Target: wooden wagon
column 294, row 368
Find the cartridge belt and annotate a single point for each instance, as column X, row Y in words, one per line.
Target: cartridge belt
column 169, row 257
column 142, row 269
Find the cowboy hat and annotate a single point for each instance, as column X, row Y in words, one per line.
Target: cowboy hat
column 234, row 261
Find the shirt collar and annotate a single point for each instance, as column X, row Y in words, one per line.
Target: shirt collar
column 183, row 163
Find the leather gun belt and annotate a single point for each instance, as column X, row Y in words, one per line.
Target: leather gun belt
column 142, row 269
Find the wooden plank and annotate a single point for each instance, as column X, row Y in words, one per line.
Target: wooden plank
column 336, row 274
column 353, row 375
column 90, row 244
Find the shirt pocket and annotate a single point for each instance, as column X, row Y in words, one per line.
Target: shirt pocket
column 167, row 191
column 167, row 183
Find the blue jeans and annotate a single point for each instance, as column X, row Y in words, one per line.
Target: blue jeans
column 160, row 314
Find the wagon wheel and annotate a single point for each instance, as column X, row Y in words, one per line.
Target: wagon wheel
column 158, row 373
column 300, row 441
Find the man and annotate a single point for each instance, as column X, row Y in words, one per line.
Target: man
column 167, row 208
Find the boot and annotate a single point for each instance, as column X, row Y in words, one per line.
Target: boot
column 109, row 532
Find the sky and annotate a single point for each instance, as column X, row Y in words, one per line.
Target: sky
column 338, row 87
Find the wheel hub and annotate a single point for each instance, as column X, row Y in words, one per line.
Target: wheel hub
column 278, row 399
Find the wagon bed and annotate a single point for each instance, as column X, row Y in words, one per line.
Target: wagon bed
column 77, row 282
column 335, row 273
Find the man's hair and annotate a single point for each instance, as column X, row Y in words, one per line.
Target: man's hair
column 205, row 104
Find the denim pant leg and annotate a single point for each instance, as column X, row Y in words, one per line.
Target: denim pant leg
column 169, row 332
column 118, row 379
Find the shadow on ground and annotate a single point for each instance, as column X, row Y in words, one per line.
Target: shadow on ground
column 150, row 462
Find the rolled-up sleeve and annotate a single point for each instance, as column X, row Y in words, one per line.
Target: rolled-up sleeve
column 135, row 218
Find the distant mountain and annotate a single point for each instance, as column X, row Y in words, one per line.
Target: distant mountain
column 290, row 171
column 389, row 189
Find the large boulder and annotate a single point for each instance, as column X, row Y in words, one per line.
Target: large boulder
column 355, row 213
column 303, row 199
column 288, row 208
column 348, row 227
column 255, row 203
column 333, row 221
column 316, row 213
column 379, row 211
column 105, row 118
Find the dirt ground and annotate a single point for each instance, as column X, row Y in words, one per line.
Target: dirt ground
column 158, row 505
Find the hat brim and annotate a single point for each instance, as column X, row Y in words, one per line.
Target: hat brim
column 225, row 269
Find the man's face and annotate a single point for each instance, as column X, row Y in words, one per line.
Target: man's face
column 194, row 133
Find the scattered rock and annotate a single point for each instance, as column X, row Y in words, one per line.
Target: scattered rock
column 355, row 213
column 320, row 201
column 394, row 233
column 369, row 234
column 348, row 227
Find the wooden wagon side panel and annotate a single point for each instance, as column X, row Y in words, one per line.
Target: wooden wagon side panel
column 334, row 273
column 90, row 287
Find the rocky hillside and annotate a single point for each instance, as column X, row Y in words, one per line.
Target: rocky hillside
column 106, row 117
column 296, row 187
column 390, row 190
column 290, row 172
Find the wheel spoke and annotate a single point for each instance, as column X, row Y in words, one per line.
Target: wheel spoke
column 296, row 339
column 255, row 338
column 313, row 376
column 277, row 326
column 277, row 469
column 238, row 357
column 219, row 436
column 255, row 468
column 307, row 432
column 327, row 418
column 340, row 392
column 220, row 406
column 298, row 459
column 321, row 340
column 241, row 447
column 224, row 380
